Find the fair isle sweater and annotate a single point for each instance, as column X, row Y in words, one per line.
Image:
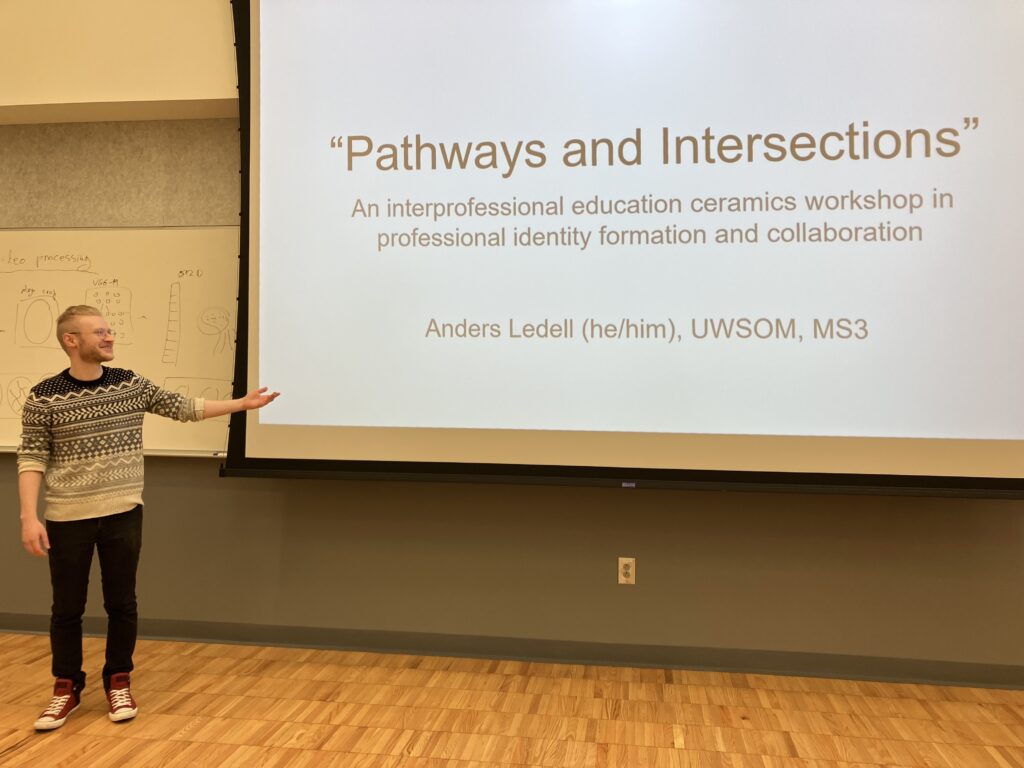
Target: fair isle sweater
column 86, row 437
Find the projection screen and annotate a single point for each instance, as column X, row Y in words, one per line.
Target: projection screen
column 604, row 238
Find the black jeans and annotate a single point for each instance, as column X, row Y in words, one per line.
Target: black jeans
column 118, row 539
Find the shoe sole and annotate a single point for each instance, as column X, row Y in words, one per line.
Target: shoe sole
column 51, row 725
column 122, row 715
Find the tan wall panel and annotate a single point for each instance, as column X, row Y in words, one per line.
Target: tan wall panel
column 74, row 52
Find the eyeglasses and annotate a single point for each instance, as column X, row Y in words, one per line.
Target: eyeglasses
column 99, row 333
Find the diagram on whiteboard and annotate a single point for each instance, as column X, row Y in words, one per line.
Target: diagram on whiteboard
column 217, row 322
column 36, row 322
column 173, row 335
column 169, row 295
column 14, row 388
column 115, row 303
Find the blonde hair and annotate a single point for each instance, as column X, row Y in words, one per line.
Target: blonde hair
column 69, row 316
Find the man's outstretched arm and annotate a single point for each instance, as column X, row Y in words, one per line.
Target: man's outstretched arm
column 255, row 399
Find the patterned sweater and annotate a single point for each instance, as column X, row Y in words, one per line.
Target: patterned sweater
column 86, row 436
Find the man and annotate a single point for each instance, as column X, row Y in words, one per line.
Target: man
column 82, row 435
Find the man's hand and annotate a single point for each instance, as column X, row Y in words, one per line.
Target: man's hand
column 258, row 398
column 34, row 538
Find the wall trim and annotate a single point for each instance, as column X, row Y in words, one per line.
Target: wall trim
column 117, row 111
column 826, row 665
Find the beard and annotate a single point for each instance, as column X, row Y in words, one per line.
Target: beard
column 96, row 354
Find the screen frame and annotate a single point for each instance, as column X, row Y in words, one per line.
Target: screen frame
column 238, row 464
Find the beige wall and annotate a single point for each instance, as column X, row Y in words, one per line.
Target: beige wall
column 880, row 577
column 65, row 60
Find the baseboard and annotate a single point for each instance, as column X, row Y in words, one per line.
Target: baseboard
column 563, row 651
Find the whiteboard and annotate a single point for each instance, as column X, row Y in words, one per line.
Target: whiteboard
column 171, row 295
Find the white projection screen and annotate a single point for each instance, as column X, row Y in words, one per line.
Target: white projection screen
column 609, row 239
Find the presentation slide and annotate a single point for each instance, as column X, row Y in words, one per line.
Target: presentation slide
column 640, row 233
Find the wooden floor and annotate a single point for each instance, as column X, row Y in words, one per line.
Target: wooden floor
column 234, row 705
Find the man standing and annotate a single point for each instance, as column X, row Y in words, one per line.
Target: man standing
column 82, row 435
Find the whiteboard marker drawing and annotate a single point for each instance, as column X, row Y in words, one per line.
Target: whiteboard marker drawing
column 173, row 336
column 36, row 321
column 216, row 321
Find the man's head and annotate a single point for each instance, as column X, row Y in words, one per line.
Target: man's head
column 84, row 333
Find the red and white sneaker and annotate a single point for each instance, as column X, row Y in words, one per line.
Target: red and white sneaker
column 65, row 701
column 119, row 697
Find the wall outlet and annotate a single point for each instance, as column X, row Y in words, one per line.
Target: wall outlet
column 627, row 570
